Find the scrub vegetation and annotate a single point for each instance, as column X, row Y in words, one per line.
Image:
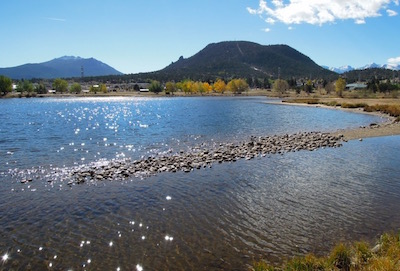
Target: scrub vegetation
column 359, row 256
column 390, row 109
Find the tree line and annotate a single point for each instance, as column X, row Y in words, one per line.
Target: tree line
column 58, row 85
column 188, row 86
column 236, row 86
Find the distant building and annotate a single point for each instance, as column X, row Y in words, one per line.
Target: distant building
column 144, row 90
column 51, row 91
column 355, row 86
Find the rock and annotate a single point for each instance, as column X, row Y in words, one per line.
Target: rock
column 197, row 158
column 376, row 248
column 373, row 125
column 26, row 181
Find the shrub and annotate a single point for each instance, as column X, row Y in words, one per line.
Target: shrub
column 155, row 87
column 362, row 254
column 262, row 266
column 341, row 257
column 303, row 101
column 332, row 103
column 382, row 264
column 307, row 263
column 392, row 110
column 358, row 257
column 356, row 105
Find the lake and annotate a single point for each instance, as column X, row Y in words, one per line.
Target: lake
column 218, row 218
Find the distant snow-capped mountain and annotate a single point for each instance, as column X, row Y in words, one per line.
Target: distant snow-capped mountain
column 392, row 67
column 347, row 68
column 370, row 66
column 341, row 69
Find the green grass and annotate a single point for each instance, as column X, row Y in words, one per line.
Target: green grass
column 358, row 256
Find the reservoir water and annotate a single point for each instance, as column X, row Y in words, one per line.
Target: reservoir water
column 218, row 218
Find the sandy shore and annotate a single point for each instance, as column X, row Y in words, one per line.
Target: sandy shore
column 386, row 128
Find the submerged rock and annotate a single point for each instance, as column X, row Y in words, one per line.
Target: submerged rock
column 198, row 158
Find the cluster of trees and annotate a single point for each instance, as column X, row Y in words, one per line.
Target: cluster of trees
column 382, row 86
column 23, row 86
column 26, row 86
column 368, row 74
column 236, row 86
column 259, row 83
column 337, row 86
column 62, row 86
column 5, row 85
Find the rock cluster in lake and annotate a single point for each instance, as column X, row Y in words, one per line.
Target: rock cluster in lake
column 202, row 158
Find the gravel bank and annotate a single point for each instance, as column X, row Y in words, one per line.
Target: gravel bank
column 202, row 158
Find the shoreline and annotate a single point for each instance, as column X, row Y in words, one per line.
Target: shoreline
column 386, row 128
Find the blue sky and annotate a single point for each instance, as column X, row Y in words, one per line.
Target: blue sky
column 147, row 35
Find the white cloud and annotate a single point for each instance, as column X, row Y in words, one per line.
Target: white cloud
column 270, row 20
column 391, row 12
column 359, row 21
column 252, row 11
column 267, row 30
column 318, row 12
column 394, row 61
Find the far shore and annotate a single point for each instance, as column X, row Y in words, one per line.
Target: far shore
column 388, row 127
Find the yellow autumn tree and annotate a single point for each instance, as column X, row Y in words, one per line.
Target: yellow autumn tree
column 187, row 86
column 237, row 86
column 207, row 87
column 281, row 86
column 219, row 86
column 103, row 88
column 340, row 86
column 170, row 87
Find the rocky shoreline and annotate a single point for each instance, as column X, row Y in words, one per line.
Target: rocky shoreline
column 202, row 158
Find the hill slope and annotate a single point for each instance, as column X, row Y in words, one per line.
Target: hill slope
column 245, row 59
column 67, row 66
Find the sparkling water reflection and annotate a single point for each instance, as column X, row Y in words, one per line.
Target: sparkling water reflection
column 218, row 218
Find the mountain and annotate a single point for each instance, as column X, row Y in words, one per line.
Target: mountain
column 348, row 68
column 63, row 67
column 392, row 67
column 341, row 69
column 242, row 59
column 370, row 66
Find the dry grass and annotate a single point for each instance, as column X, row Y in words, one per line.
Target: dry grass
column 356, row 257
column 386, row 106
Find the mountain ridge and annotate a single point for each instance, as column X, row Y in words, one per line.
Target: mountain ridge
column 63, row 67
column 229, row 59
column 348, row 68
